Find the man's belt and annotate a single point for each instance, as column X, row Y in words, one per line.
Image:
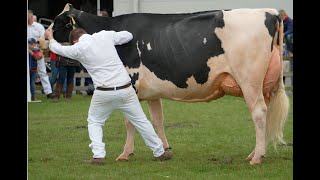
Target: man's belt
column 113, row 88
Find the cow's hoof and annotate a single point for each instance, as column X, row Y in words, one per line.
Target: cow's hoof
column 124, row 157
column 249, row 158
column 256, row 161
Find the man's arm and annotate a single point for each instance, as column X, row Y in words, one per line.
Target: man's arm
column 66, row 51
column 121, row 37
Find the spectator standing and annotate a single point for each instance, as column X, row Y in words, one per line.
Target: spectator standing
column 35, row 54
column 67, row 68
column 288, row 30
column 54, row 65
column 54, row 69
column 36, row 30
column 104, row 12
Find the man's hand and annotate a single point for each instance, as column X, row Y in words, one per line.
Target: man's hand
column 49, row 34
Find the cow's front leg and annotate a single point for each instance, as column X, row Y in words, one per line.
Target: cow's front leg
column 129, row 146
column 156, row 114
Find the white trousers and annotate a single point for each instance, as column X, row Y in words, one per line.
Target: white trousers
column 44, row 78
column 126, row 100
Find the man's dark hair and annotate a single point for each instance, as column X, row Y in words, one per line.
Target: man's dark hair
column 75, row 34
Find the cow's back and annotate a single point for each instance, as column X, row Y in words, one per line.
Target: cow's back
column 174, row 47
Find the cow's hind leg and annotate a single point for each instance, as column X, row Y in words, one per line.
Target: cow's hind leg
column 155, row 110
column 258, row 111
column 129, row 146
column 257, row 108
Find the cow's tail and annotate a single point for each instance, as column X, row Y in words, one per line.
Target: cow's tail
column 278, row 39
column 278, row 107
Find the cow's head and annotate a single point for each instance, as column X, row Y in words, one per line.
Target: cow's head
column 61, row 26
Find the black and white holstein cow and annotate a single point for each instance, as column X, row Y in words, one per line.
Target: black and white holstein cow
column 199, row 57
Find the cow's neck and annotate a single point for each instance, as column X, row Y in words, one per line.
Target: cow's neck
column 89, row 22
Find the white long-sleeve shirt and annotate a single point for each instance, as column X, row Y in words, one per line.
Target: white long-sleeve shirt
column 36, row 30
column 97, row 53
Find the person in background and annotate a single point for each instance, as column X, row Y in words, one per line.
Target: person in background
column 67, row 68
column 36, row 30
column 54, row 65
column 113, row 89
column 35, row 18
column 104, row 12
column 35, row 54
column 287, row 30
column 54, row 69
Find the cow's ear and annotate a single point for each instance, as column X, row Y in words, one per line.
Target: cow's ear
column 71, row 6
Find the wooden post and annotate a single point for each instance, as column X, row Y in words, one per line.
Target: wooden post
column 287, row 73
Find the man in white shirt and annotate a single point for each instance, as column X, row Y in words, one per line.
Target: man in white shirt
column 113, row 90
column 36, row 30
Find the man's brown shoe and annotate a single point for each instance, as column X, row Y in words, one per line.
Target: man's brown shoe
column 95, row 161
column 165, row 156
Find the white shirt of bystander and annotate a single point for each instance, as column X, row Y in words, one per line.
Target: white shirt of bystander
column 36, row 30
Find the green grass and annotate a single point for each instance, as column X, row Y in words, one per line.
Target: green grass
column 288, row 88
column 209, row 140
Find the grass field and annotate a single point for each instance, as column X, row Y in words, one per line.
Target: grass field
column 209, row 140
